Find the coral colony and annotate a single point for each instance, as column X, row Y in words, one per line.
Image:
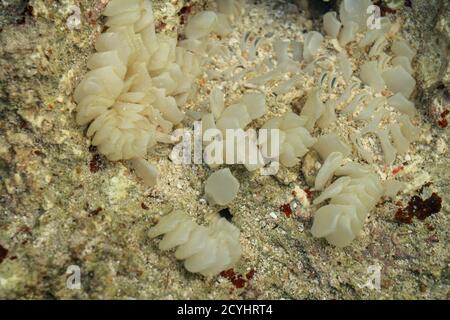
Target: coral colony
column 140, row 82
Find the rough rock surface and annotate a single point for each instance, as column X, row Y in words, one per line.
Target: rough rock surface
column 62, row 204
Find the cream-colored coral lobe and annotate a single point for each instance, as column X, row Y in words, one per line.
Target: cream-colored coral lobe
column 345, row 168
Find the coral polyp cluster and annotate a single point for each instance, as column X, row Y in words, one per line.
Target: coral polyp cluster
column 111, row 110
column 137, row 83
column 357, row 74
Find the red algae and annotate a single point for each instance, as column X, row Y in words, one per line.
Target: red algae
column 397, row 170
column 96, row 163
column 238, row 280
column 419, row 208
column 443, row 122
column 3, row 253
